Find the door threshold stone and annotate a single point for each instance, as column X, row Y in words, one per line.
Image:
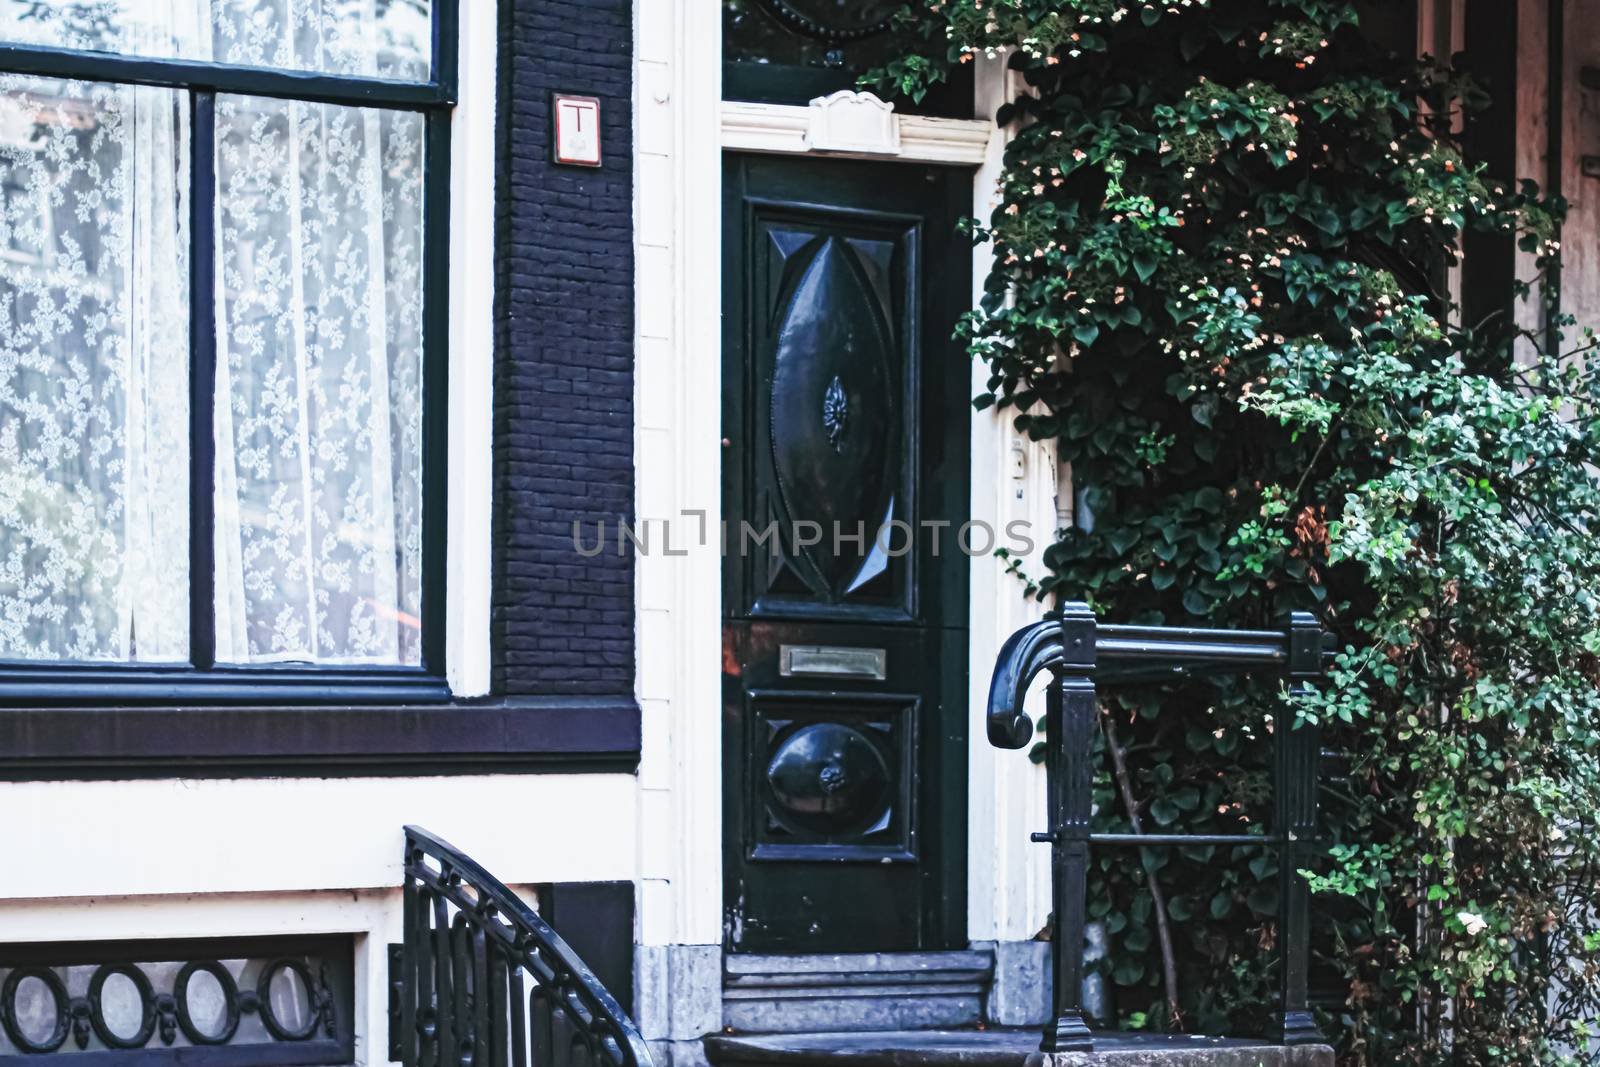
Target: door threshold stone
column 855, row 991
column 1000, row 1048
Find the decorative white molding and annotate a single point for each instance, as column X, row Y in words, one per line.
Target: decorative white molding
column 836, row 129
column 848, row 121
column 678, row 469
column 1013, row 479
column 467, row 549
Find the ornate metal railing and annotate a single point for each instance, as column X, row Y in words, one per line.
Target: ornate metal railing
column 1079, row 653
column 484, row 982
column 236, row 1002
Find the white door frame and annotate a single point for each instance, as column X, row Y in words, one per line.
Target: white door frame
column 683, row 128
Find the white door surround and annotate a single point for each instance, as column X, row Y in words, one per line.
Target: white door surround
column 683, row 127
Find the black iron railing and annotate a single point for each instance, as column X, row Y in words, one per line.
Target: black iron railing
column 484, row 982
column 1079, row 653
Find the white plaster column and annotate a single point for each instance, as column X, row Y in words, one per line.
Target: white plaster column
column 678, row 404
column 1013, row 479
column 470, row 455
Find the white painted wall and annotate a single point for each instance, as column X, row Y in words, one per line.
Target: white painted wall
column 132, row 838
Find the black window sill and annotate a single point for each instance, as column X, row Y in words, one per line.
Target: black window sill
column 107, row 685
column 116, row 740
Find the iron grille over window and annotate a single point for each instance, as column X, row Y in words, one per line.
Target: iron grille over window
column 222, row 275
column 285, row 1002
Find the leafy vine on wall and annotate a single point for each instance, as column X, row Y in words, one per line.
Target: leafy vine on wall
column 1221, row 285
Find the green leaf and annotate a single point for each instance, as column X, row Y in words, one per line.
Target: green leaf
column 1164, row 811
column 1122, row 539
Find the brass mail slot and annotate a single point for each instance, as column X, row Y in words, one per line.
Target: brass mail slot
column 833, row 661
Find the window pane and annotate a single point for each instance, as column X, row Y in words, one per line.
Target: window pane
column 319, row 383
column 752, row 32
column 94, row 362
column 382, row 38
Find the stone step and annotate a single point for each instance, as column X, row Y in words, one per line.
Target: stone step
column 999, row 1048
column 855, row 991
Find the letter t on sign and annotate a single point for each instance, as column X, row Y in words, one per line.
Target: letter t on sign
column 577, row 134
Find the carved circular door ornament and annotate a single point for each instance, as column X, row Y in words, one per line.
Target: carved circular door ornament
column 828, row 778
column 835, row 21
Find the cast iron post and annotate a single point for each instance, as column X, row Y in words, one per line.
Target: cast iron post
column 1297, row 747
column 1071, row 714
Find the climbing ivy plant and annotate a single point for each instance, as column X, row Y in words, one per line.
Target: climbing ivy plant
column 1223, row 250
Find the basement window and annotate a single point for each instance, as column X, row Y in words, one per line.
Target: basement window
column 284, row 1002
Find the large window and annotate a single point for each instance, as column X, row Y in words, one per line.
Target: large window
column 221, row 347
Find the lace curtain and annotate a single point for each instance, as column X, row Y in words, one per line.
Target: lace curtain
column 383, row 38
column 94, row 322
column 319, row 370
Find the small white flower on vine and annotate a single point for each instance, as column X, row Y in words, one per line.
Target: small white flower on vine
column 1473, row 923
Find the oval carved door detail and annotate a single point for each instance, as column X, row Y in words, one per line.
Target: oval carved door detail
column 835, row 418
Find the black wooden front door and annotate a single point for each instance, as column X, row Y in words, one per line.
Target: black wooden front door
column 845, row 421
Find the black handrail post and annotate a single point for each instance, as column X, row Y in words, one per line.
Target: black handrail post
column 1297, row 748
column 1071, row 712
column 1072, row 647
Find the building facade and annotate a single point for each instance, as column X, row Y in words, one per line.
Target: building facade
column 381, row 446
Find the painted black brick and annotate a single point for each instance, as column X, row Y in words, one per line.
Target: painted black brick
column 563, row 389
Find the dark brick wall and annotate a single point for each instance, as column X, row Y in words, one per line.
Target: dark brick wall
column 563, row 388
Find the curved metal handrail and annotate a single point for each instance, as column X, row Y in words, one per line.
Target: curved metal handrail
column 1120, row 654
column 1081, row 654
column 1025, row 653
column 463, row 976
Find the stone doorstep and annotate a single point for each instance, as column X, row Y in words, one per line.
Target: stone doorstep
column 999, row 1048
column 1261, row 1056
column 742, row 966
column 854, row 991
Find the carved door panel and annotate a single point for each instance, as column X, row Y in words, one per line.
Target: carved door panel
column 846, row 427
